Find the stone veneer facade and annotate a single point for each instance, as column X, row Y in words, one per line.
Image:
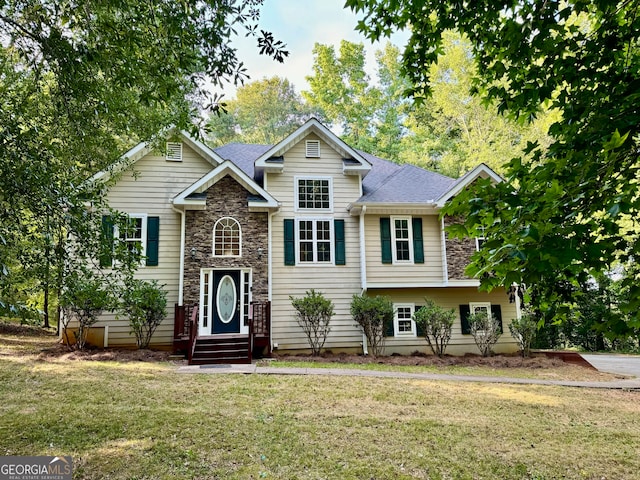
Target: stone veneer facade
column 459, row 252
column 227, row 198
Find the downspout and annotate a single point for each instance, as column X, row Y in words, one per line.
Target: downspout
column 363, row 271
column 182, row 244
column 363, row 256
column 270, row 273
column 445, row 268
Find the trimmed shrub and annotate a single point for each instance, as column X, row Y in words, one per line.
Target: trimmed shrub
column 524, row 330
column 373, row 314
column 436, row 323
column 83, row 299
column 313, row 314
column 485, row 331
column 145, row 304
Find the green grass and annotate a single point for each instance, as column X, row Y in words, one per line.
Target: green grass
column 143, row 420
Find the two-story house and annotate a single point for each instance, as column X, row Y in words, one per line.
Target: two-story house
column 233, row 233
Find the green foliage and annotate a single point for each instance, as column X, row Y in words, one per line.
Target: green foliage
column 78, row 86
column 455, row 130
column 313, row 314
column 263, row 112
column 374, row 315
column 342, row 90
column 83, row 299
column 485, row 332
column 436, row 323
column 562, row 216
column 145, row 304
column 524, row 330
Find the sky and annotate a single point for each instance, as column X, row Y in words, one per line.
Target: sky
column 301, row 24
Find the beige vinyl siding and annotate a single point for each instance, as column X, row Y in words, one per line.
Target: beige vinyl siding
column 149, row 188
column 337, row 283
column 417, row 274
column 451, row 297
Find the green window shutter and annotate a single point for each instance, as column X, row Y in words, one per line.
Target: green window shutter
column 338, row 229
column 289, row 242
column 385, row 239
column 419, row 328
column 418, row 244
column 465, row 311
column 153, row 237
column 389, row 329
column 106, row 242
column 496, row 314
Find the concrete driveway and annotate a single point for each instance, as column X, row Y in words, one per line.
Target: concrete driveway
column 614, row 363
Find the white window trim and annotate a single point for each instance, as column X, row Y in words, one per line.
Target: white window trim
column 306, row 149
column 143, row 233
column 479, row 238
column 296, row 197
column 171, row 154
column 393, row 239
column 213, row 243
column 396, row 320
column 474, row 305
column 315, row 261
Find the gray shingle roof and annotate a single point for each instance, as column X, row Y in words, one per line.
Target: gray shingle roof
column 387, row 182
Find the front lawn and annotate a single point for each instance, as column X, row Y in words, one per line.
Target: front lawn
column 138, row 420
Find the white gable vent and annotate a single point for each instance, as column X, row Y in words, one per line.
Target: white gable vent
column 174, row 152
column 313, row 148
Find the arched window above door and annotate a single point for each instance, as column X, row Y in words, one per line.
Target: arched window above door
column 227, row 238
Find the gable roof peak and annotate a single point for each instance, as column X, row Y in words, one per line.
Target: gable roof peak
column 356, row 164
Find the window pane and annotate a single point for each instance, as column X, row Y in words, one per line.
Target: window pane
column 306, row 251
column 402, row 250
column 226, row 238
column 404, row 320
column 313, row 194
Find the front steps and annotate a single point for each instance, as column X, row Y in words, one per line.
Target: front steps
column 221, row 349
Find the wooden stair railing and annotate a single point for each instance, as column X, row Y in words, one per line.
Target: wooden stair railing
column 193, row 331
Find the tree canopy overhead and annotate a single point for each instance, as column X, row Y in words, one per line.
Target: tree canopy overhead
column 81, row 82
column 565, row 214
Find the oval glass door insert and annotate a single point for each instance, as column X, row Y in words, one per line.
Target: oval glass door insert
column 226, row 299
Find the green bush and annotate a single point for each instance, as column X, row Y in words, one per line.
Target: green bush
column 485, row 331
column 523, row 330
column 313, row 314
column 145, row 304
column 83, row 299
column 373, row 314
column 436, row 323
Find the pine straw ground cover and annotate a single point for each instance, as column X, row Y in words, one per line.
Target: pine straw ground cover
column 135, row 420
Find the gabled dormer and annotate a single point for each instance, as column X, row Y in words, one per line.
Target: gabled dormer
column 316, row 137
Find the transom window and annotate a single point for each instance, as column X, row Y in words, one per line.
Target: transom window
column 401, row 239
column 314, row 240
column 403, row 322
column 227, row 238
column 313, row 194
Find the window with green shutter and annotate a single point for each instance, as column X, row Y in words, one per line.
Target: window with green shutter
column 106, row 242
column 153, row 241
column 418, row 244
column 401, row 240
column 338, row 229
column 385, row 239
column 289, row 242
column 465, row 311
